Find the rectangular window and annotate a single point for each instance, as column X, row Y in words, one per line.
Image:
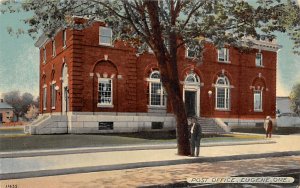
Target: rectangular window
column 222, row 98
column 45, row 98
column 105, row 36
column 53, row 96
column 64, row 38
column 105, row 125
column 258, row 60
column 157, row 125
column 105, row 95
column 157, row 94
column 44, row 55
column 53, row 48
column 190, row 53
column 257, row 100
column 223, row 55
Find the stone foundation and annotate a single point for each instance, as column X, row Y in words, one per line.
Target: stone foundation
column 86, row 122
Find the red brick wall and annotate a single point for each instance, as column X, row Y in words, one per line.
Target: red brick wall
column 85, row 58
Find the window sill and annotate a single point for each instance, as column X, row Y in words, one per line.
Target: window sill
column 53, row 56
column 157, row 107
column 64, row 47
column 258, row 110
column 106, row 44
column 105, row 105
column 44, row 109
column 53, row 107
column 226, row 62
column 221, row 109
column 260, row 66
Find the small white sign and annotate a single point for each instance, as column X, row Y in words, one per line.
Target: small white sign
column 241, row 180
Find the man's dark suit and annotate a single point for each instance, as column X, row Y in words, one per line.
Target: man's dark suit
column 196, row 132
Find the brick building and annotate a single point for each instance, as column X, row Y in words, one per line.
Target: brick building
column 88, row 84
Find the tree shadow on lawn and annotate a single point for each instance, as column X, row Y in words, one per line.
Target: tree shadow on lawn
column 34, row 142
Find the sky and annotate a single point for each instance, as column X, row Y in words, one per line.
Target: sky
column 19, row 60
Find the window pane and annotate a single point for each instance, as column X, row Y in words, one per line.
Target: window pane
column 191, row 52
column 155, row 75
column 45, row 98
column 223, row 54
column 220, row 97
column 105, row 92
column 155, row 94
column 258, row 59
column 257, row 100
column 53, row 95
column 105, row 35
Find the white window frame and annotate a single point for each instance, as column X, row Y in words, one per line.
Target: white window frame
column 150, row 50
column 53, row 48
column 53, row 96
column 64, row 38
column 227, row 98
column 187, row 52
column 259, row 62
column 260, row 93
column 103, row 43
column 44, row 55
column 99, row 104
column 45, row 97
column 225, row 58
column 162, row 93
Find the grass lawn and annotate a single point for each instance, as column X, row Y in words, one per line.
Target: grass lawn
column 261, row 130
column 16, row 142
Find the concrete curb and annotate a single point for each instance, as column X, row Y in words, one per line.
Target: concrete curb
column 33, row 153
column 140, row 165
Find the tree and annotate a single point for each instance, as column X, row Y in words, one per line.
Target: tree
column 295, row 98
column 165, row 26
column 32, row 112
column 19, row 102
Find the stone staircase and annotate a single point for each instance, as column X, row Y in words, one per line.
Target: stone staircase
column 48, row 124
column 210, row 126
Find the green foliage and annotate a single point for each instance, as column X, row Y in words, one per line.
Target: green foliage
column 20, row 102
column 220, row 21
column 295, row 98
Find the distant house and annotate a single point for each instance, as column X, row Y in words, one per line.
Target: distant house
column 6, row 112
column 285, row 116
column 283, row 105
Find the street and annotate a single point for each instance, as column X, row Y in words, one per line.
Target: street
column 162, row 175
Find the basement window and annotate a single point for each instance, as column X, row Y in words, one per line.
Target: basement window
column 157, row 125
column 104, row 125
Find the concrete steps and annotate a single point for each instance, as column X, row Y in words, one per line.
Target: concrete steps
column 210, row 126
column 48, row 124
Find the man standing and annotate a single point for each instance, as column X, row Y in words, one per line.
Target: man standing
column 196, row 132
column 268, row 125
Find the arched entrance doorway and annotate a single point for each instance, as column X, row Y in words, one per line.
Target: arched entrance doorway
column 191, row 95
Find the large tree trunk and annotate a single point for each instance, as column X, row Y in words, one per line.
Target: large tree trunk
column 167, row 63
column 174, row 94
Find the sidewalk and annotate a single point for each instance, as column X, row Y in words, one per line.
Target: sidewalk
column 21, row 167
